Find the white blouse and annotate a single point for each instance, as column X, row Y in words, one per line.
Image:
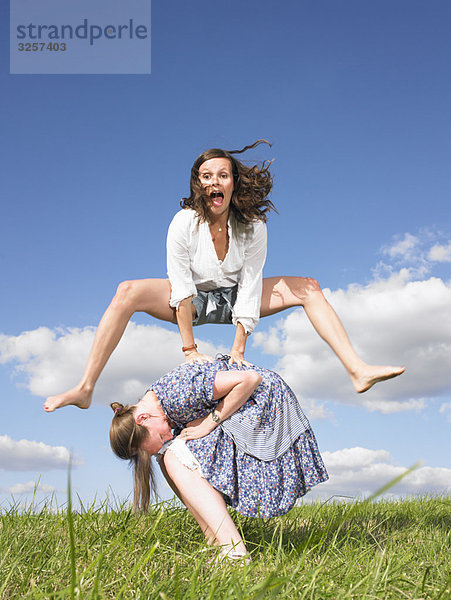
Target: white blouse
column 193, row 263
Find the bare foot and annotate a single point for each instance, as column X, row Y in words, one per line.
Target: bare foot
column 370, row 375
column 74, row 397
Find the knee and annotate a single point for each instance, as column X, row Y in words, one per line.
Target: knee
column 172, row 465
column 312, row 291
column 125, row 295
column 168, row 461
column 305, row 289
column 307, row 285
column 311, row 285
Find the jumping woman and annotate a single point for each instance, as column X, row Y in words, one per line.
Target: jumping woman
column 216, row 250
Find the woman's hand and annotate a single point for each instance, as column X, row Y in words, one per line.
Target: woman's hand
column 232, row 389
column 193, row 356
column 238, row 357
column 198, row 428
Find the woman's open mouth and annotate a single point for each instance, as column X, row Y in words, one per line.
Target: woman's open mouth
column 217, row 198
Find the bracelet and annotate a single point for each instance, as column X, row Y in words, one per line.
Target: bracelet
column 186, row 348
column 215, row 417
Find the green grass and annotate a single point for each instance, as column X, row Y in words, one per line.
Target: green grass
column 363, row 550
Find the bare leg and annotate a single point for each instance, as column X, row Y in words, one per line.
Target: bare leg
column 280, row 293
column 146, row 295
column 206, row 505
column 208, row 534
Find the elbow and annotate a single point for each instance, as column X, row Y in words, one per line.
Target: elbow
column 254, row 379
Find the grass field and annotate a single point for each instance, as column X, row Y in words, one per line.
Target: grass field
column 362, row 551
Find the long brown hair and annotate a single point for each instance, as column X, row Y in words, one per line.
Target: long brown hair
column 126, row 437
column 251, row 186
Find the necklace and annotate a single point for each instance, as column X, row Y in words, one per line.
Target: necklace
column 219, row 228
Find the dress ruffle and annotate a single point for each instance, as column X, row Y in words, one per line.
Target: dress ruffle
column 257, row 488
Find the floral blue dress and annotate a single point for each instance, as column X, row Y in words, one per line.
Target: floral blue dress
column 229, row 462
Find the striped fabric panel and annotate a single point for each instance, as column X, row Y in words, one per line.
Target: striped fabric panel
column 267, row 442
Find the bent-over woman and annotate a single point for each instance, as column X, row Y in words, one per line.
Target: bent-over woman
column 243, row 440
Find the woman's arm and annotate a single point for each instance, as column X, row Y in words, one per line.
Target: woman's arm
column 185, row 324
column 235, row 388
column 181, row 279
column 239, row 346
column 246, row 311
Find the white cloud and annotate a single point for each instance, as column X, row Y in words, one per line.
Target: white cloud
column 403, row 248
column 388, row 407
column 440, row 253
column 360, row 472
column 352, row 458
column 52, row 361
column 389, row 321
column 29, row 488
column 416, row 254
column 25, row 455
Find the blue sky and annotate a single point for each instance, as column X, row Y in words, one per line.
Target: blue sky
column 354, row 97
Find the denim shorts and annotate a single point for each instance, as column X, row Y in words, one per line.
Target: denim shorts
column 214, row 306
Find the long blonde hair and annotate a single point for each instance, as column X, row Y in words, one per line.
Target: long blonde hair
column 126, row 437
